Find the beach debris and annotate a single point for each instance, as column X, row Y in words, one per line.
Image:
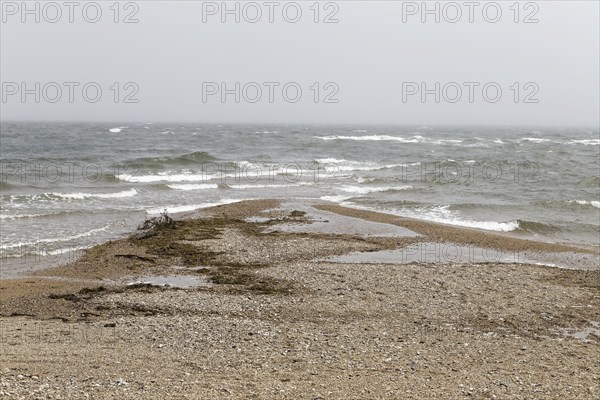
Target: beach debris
column 148, row 228
column 162, row 221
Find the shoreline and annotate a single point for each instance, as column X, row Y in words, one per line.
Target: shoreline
column 14, row 268
column 261, row 290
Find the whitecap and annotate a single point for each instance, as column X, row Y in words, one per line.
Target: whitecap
column 185, row 208
column 442, row 215
column 335, row 199
column 593, row 203
column 165, row 177
column 82, row 196
column 334, row 165
column 534, row 140
column 373, row 189
column 412, row 139
column 585, row 142
column 191, row 186
column 25, row 216
column 117, row 129
column 270, row 186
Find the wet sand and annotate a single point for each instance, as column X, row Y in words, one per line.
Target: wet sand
column 280, row 313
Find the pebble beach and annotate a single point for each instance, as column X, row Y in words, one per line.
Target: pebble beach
column 270, row 299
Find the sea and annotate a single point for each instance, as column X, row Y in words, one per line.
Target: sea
column 68, row 186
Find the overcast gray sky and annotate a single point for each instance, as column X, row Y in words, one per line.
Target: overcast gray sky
column 374, row 61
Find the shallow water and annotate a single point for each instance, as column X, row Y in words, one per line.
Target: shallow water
column 177, row 281
column 583, row 334
column 326, row 222
column 452, row 253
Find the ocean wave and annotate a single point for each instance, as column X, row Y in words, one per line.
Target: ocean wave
column 477, row 145
column 252, row 174
column 362, row 179
column 373, row 189
column 183, row 159
column 349, row 165
column 568, row 204
column 54, row 196
column 336, row 198
column 28, row 216
column 442, row 215
column 593, row 203
column 535, row 227
column 117, row 129
column 412, row 139
column 485, row 225
column 439, row 214
column 192, row 186
column 383, row 180
column 270, row 186
column 330, row 160
column 585, row 142
column 82, row 196
column 533, row 140
column 54, row 240
column 244, row 164
column 165, row 177
column 197, row 156
column 185, row 208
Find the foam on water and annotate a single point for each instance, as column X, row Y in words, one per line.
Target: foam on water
column 412, row 139
column 270, row 186
column 586, row 142
column 54, row 240
column 439, row 214
column 333, row 164
column 373, row 189
column 534, row 140
column 593, row 203
column 340, row 199
column 26, row 216
column 165, row 177
column 185, row 208
column 191, row 186
column 442, row 215
column 117, row 129
column 82, row 196
column 55, row 196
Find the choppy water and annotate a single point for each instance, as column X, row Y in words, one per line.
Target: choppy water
column 69, row 186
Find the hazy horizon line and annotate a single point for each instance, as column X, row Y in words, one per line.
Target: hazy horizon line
column 141, row 122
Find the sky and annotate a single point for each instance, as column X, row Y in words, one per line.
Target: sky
column 351, row 62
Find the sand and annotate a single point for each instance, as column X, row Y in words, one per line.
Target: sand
column 276, row 316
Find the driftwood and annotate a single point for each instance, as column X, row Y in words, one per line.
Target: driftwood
column 164, row 221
